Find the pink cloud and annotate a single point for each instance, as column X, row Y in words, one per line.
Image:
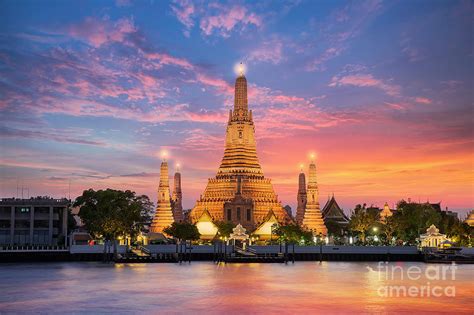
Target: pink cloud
column 365, row 80
column 167, row 59
column 330, row 53
column 270, row 51
column 99, row 32
column 184, row 11
column 423, row 100
column 217, row 83
column 228, row 18
column 396, row 106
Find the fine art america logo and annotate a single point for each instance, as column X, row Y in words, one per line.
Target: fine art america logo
column 415, row 281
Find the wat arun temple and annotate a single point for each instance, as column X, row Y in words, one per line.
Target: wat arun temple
column 239, row 193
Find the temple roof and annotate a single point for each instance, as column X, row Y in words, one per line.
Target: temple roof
column 265, row 226
column 332, row 210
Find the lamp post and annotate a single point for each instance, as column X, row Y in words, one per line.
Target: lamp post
column 320, row 247
column 375, row 229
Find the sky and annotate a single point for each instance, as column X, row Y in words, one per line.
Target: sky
column 381, row 91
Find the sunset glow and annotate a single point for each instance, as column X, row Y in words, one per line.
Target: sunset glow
column 96, row 96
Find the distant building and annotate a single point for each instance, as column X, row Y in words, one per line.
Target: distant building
column 34, row 221
column 301, row 198
column 334, row 217
column 288, row 210
column 385, row 213
column 470, row 219
column 437, row 207
column 433, row 238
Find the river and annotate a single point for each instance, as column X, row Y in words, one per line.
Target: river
column 204, row 287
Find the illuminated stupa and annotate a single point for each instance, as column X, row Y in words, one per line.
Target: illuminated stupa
column 164, row 213
column 470, row 218
column 240, row 193
column 312, row 217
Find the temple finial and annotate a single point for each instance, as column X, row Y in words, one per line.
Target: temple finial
column 241, row 69
column 240, row 95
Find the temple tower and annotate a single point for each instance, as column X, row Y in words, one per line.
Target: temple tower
column 239, row 185
column 163, row 215
column 301, row 198
column 177, row 197
column 313, row 219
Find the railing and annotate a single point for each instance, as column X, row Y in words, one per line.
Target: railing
column 34, row 248
column 145, row 250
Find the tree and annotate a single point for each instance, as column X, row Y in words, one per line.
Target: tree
column 412, row 220
column 113, row 213
column 460, row 233
column 293, row 233
column 183, row 231
column 389, row 229
column 363, row 219
column 225, row 228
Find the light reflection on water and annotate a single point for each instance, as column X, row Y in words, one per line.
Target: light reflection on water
column 203, row 287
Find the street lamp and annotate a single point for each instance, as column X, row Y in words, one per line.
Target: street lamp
column 375, row 229
column 320, row 247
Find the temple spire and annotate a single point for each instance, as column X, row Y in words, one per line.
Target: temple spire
column 301, row 197
column 240, row 96
column 164, row 214
column 177, row 196
column 313, row 219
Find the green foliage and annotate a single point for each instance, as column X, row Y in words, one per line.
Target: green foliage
column 225, row 228
column 412, row 220
column 71, row 222
column 183, row 231
column 388, row 230
column 363, row 219
column 461, row 233
column 294, row 234
column 112, row 213
column 408, row 223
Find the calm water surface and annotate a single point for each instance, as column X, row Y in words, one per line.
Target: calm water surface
column 203, row 287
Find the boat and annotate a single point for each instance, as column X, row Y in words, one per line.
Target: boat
column 448, row 256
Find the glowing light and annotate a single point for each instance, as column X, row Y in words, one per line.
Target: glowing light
column 301, row 166
column 351, row 240
column 312, row 156
column 164, row 154
column 240, row 69
column 375, row 229
column 178, row 166
column 327, row 240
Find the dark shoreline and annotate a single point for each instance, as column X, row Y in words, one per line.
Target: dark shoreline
column 65, row 257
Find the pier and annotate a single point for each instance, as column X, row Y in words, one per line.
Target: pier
column 218, row 252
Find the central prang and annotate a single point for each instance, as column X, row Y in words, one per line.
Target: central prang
column 240, row 193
